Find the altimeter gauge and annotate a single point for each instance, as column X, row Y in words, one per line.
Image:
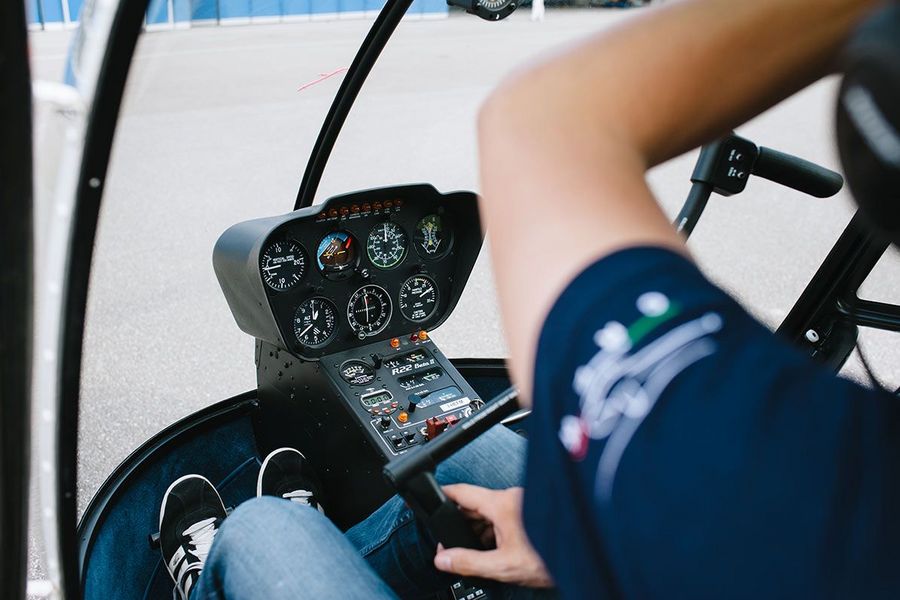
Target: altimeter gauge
column 315, row 322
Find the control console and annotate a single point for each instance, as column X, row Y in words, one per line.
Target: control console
column 403, row 392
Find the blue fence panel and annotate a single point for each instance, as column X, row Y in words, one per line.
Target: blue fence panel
column 75, row 9
column 352, row 5
column 32, row 12
column 204, row 10
column 324, row 7
column 182, row 10
column 157, row 12
column 374, row 5
column 51, row 11
column 296, row 7
column 434, row 6
column 415, row 8
column 234, row 9
column 265, row 8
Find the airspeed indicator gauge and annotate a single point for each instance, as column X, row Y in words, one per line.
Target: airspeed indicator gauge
column 387, row 245
column 283, row 265
column 315, row 322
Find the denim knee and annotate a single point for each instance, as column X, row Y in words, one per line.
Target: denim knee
column 268, row 514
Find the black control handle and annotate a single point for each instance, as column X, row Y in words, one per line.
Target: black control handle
column 427, row 456
column 797, row 173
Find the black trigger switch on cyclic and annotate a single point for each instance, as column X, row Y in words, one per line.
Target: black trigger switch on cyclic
column 737, row 157
column 377, row 360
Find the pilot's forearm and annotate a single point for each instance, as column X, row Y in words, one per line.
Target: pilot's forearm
column 714, row 64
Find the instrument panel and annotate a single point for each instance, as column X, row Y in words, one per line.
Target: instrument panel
column 358, row 268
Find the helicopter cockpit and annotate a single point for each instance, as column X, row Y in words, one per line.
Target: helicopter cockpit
column 336, row 302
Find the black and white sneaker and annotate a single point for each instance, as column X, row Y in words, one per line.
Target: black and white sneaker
column 285, row 473
column 189, row 518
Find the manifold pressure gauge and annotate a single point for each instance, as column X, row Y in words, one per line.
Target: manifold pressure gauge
column 491, row 10
column 356, row 372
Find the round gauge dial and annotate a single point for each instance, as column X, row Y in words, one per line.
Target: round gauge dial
column 315, row 322
column 337, row 255
column 418, row 298
column 431, row 239
column 387, row 245
column 283, row 265
column 356, row 372
column 369, row 310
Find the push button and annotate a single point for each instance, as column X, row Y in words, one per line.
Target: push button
column 397, row 441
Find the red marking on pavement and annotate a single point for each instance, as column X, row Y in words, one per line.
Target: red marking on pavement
column 322, row 77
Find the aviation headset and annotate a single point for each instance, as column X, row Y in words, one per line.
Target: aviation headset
column 868, row 120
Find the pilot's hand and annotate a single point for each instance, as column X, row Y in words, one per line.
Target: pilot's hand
column 497, row 518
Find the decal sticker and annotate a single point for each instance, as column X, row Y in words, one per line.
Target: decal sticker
column 617, row 389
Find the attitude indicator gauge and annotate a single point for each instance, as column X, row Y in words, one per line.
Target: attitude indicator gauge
column 418, row 298
column 337, row 255
column 283, row 265
column 431, row 239
column 387, row 245
column 315, row 322
column 369, row 310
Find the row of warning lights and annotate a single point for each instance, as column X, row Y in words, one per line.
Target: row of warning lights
column 356, row 209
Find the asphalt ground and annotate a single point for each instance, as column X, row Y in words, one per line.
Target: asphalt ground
column 215, row 131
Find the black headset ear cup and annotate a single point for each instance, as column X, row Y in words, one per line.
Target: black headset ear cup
column 868, row 120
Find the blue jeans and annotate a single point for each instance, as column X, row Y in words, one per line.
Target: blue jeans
column 271, row 548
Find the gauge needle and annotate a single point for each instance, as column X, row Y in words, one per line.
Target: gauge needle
column 271, row 268
column 308, row 327
column 366, row 302
column 315, row 314
column 385, row 233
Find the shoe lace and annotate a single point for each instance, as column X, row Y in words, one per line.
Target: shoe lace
column 300, row 497
column 201, row 535
column 200, row 539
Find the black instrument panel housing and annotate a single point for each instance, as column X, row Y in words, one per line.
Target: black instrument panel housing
column 268, row 314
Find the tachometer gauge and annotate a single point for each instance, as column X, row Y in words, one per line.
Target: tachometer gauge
column 356, row 372
column 369, row 310
column 283, row 264
column 315, row 322
column 387, row 245
column 336, row 255
column 431, row 239
column 418, row 298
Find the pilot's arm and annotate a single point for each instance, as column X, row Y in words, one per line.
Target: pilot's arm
column 564, row 147
column 676, row 448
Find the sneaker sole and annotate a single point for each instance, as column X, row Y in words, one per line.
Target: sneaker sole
column 262, row 468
